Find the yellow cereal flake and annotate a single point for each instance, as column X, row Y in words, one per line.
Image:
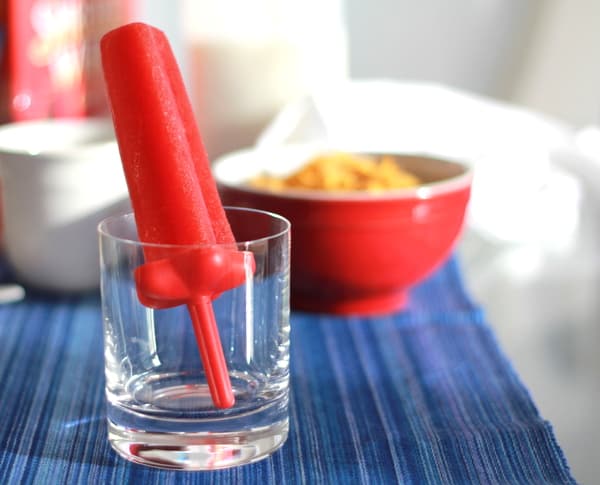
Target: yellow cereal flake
column 340, row 171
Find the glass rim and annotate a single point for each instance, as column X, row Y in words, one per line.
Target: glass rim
column 105, row 233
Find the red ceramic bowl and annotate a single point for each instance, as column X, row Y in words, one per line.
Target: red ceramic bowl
column 356, row 253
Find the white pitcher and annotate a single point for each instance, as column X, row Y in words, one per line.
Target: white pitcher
column 247, row 60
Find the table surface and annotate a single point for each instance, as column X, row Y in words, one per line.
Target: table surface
column 542, row 300
column 421, row 396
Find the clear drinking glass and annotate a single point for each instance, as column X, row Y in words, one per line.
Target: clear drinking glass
column 159, row 408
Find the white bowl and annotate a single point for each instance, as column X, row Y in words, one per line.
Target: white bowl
column 59, row 179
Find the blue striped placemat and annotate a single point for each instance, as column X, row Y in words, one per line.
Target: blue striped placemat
column 423, row 396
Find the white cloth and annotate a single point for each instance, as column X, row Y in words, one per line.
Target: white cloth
column 518, row 193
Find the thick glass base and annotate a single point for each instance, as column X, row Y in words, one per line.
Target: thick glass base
column 197, row 451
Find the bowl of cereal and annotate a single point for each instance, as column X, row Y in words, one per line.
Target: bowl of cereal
column 365, row 227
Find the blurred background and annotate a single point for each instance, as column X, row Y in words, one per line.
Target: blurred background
column 533, row 264
column 537, row 53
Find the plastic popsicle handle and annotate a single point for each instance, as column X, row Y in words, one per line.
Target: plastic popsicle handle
column 154, row 129
column 211, row 352
column 174, row 281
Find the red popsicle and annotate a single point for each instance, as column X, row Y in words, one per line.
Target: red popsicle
column 173, row 194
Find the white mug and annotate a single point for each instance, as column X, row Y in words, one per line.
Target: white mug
column 59, row 177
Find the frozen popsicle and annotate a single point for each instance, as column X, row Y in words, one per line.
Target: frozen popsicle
column 212, row 200
column 173, row 193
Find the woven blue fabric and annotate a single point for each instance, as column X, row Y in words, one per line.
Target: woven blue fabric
column 423, row 396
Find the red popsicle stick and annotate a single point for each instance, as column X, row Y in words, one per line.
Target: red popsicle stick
column 209, row 345
column 160, row 146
